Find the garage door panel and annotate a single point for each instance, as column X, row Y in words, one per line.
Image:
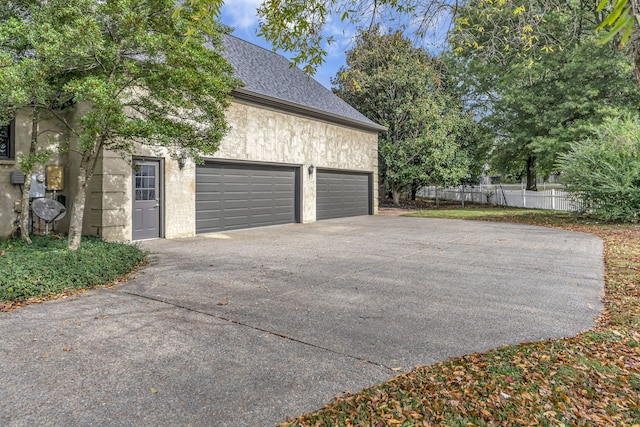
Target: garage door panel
column 232, row 196
column 342, row 194
column 210, row 223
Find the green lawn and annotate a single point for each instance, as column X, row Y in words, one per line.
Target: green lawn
column 46, row 269
column 475, row 212
column 589, row 380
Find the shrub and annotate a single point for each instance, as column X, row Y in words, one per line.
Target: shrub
column 46, row 266
column 603, row 171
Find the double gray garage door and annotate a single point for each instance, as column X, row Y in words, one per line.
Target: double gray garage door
column 231, row 196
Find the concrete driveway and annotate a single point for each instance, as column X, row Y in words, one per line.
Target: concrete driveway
column 249, row 327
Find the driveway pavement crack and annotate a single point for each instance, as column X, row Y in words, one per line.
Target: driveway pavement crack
column 246, row 325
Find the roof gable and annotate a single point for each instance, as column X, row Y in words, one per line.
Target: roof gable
column 269, row 78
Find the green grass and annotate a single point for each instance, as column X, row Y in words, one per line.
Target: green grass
column 477, row 212
column 47, row 267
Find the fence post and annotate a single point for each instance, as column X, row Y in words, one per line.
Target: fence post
column 524, row 197
column 553, row 199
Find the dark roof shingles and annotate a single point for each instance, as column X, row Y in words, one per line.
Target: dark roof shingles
column 267, row 74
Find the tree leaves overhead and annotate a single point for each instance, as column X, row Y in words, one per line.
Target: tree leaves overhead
column 297, row 27
column 203, row 14
column 300, row 26
column 622, row 20
column 104, row 52
column 501, row 30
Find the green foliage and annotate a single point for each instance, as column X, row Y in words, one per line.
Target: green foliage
column 128, row 60
column 621, row 20
column 603, row 170
column 402, row 88
column 300, row 26
column 502, row 30
column 46, row 267
column 126, row 67
column 296, row 26
column 528, row 27
column 28, row 77
column 203, row 14
column 537, row 100
column 26, row 162
column 130, row 64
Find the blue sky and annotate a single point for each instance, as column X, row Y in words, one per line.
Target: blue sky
column 241, row 15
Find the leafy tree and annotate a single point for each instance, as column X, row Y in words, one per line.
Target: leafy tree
column 537, row 107
column 298, row 26
column 400, row 87
column 133, row 78
column 535, row 27
column 28, row 81
column 603, row 170
column 499, row 30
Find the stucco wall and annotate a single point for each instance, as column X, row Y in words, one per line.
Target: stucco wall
column 177, row 188
column 268, row 135
column 257, row 134
column 51, row 134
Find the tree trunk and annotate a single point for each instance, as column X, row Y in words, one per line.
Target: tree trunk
column 395, row 194
column 531, row 174
column 636, row 68
column 635, row 44
column 414, row 191
column 28, row 172
column 77, row 211
column 24, row 209
column 87, row 165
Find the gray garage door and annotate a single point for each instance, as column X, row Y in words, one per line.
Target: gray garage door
column 340, row 194
column 232, row 196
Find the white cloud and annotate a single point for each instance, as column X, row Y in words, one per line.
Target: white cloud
column 240, row 14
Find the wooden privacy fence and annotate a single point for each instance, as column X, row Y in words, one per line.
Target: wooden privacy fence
column 553, row 199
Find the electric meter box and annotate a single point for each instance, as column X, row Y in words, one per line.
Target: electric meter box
column 17, row 178
column 55, row 178
column 38, row 186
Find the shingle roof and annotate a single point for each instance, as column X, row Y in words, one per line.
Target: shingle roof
column 270, row 79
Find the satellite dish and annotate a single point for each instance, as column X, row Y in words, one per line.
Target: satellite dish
column 48, row 209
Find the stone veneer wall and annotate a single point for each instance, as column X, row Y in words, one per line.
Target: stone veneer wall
column 51, row 132
column 257, row 134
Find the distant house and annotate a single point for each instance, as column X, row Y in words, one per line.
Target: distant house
column 295, row 153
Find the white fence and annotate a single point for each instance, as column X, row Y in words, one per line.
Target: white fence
column 553, row 199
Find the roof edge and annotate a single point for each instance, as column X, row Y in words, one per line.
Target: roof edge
column 293, row 107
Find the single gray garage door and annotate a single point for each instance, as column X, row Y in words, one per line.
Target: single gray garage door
column 340, row 194
column 231, row 196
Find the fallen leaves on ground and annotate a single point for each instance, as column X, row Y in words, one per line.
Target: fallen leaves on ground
column 589, row 380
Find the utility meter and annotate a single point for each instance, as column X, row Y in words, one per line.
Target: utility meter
column 38, row 186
